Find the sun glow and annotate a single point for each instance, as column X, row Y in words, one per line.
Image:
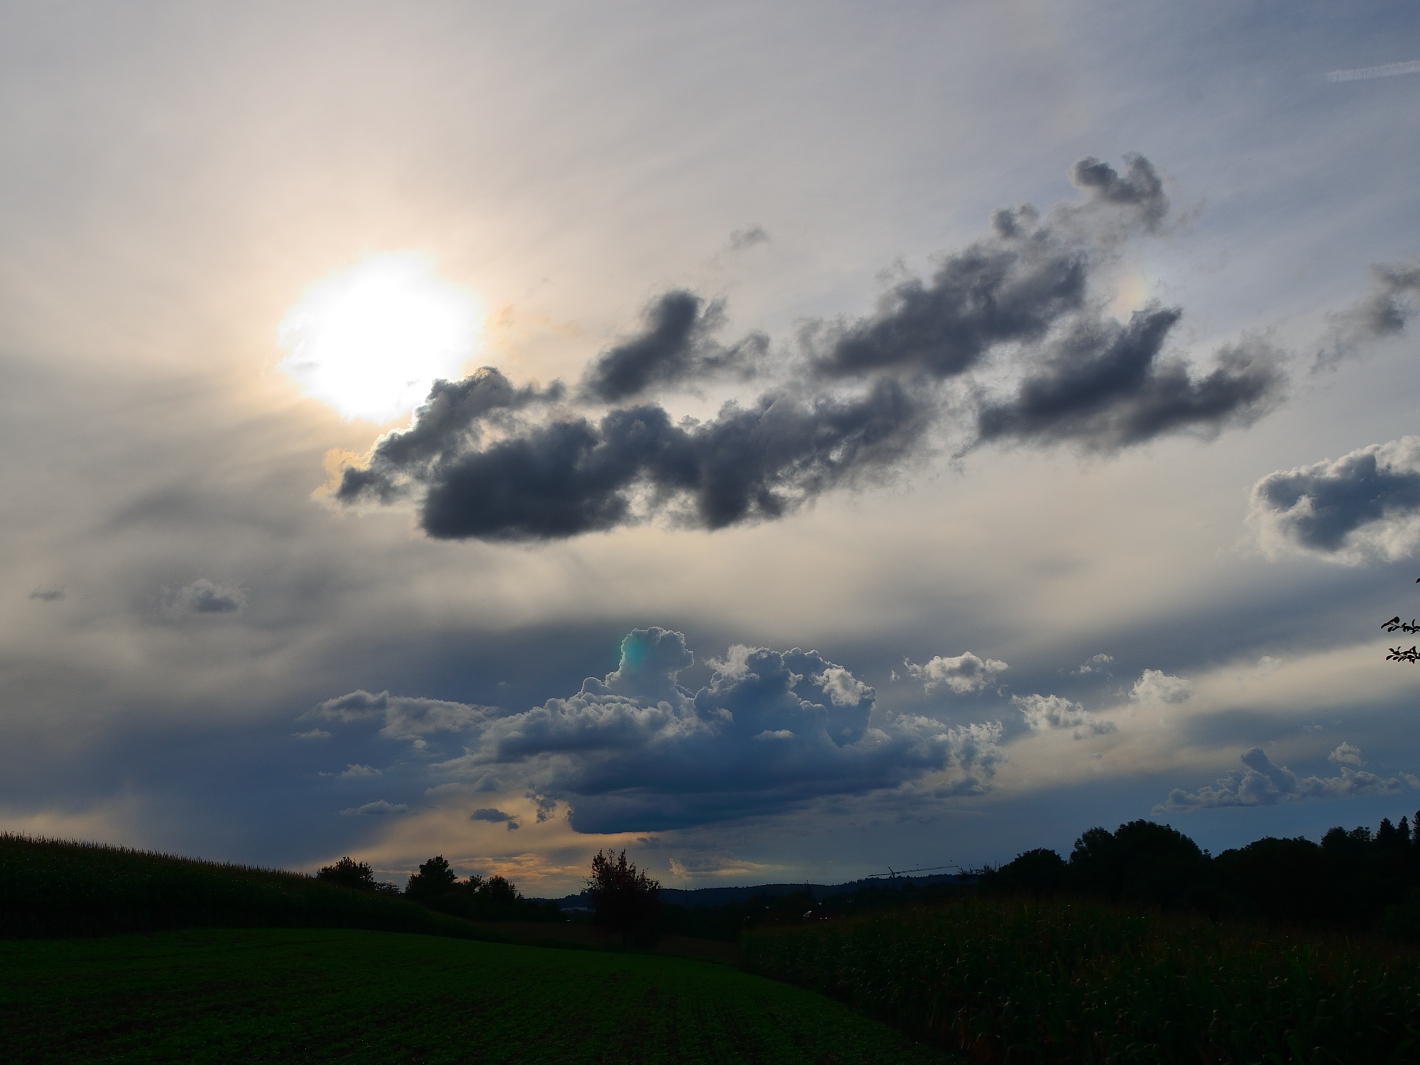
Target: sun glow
column 370, row 340
column 1133, row 288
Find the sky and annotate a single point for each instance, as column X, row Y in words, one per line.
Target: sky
column 785, row 442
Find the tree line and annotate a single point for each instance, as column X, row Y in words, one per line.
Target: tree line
column 1355, row 879
column 437, row 886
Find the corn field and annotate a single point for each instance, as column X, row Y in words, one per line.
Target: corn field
column 52, row 888
column 1016, row 980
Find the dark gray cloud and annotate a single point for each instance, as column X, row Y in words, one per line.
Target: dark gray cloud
column 1010, row 288
column 204, row 596
column 456, row 415
column 48, row 595
column 574, row 476
column 635, row 751
column 865, row 396
column 1261, row 782
column 496, row 816
column 1379, row 315
column 1106, row 386
column 676, row 347
column 1364, row 504
column 1140, row 188
column 545, row 806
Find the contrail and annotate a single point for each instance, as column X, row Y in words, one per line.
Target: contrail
column 1389, row 70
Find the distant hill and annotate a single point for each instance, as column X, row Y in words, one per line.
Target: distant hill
column 724, row 896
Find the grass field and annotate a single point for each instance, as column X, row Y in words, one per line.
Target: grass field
column 296, row 995
column 1017, row 980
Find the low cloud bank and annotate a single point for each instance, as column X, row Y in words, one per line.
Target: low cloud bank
column 404, row 717
column 1262, row 783
column 378, row 808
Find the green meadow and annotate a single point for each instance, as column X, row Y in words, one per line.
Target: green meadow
column 321, row 994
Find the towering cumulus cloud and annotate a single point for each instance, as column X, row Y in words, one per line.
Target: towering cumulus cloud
column 859, row 396
column 1365, row 504
column 636, row 751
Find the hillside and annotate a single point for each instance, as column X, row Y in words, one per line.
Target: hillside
column 52, row 888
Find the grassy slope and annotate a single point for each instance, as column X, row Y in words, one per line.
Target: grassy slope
column 251, row 995
column 59, row 888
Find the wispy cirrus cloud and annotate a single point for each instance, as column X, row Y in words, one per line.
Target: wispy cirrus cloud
column 1384, row 70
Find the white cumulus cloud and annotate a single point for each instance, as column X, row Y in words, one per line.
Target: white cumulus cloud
column 1346, row 754
column 1155, row 686
column 1046, row 712
column 962, row 674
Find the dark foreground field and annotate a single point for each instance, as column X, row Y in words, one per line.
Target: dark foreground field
column 296, row 995
column 1017, row 980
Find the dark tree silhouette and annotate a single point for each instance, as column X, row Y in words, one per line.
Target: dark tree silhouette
column 1140, row 862
column 501, row 894
column 1399, row 654
column 624, row 899
column 1036, row 872
column 433, row 879
column 358, row 875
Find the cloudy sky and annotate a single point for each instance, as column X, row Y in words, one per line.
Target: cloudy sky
column 785, row 441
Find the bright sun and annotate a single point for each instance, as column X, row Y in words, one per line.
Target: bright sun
column 370, row 340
